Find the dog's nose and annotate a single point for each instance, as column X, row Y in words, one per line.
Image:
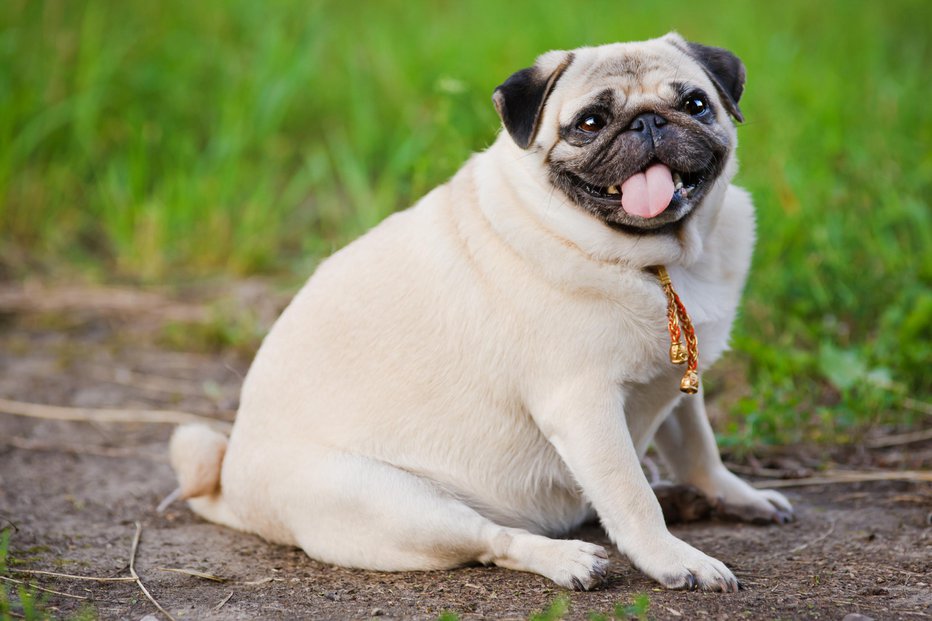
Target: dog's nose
column 647, row 122
column 649, row 127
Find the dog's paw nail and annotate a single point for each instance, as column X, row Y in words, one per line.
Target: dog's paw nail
column 783, row 517
column 578, row 585
column 691, row 583
column 740, row 585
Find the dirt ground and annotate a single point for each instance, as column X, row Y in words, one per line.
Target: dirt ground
column 71, row 493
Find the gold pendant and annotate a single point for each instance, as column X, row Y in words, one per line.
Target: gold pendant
column 681, row 327
column 678, row 353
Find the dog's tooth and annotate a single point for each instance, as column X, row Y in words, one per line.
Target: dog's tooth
column 677, row 179
column 612, row 189
column 679, row 183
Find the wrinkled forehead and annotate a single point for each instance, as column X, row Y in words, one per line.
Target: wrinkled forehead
column 635, row 74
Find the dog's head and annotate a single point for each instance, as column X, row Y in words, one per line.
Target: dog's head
column 637, row 134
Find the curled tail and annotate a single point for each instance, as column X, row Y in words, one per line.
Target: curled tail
column 196, row 452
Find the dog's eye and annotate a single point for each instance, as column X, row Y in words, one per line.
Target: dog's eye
column 591, row 123
column 695, row 105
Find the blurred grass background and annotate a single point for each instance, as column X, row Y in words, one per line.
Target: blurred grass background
column 153, row 142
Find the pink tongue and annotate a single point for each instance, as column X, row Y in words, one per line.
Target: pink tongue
column 648, row 193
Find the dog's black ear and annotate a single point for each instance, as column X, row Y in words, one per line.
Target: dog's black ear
column 520, row 100
column 725, row 70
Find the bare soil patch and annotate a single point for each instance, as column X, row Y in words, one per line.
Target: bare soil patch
column 73, row 491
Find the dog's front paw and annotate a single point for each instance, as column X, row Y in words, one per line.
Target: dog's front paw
column 733, row 498
column 677, row 565
column 578, row 565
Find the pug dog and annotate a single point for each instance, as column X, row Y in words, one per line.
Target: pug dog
column 481, row 373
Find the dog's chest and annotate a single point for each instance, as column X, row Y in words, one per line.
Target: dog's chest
column 623, row 332
column 620, row 330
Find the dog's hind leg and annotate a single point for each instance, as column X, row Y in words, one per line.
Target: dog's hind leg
column 686, row 442
column 359, row 512
column 215, row 509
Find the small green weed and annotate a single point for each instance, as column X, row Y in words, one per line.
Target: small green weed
column 25, row 601
column 4, row 550
column 16, row 600
column 557, row 610
column 637, row 609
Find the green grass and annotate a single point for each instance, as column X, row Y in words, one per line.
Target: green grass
column 165, row 141
column 26, row 600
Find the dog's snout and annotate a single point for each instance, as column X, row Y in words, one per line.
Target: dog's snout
column 648, row 124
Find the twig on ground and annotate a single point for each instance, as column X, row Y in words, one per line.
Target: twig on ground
column 193, row 572
column 262, row 581
column 132, row 571
column 102, row 300
column 902, row 571
column 27, row 444
column 6, row 520
column 37, row 587
column 822, row 537
column 168, row 500
column 775, row 473
column 223, row 602
column 914, row 456
column 105, row 415
column 915, row 499
column 234, row 370
column 147, row 382
column 39, row 572
column 897, row 440
column 850, row 476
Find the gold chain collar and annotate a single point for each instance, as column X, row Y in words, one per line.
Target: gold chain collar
column 680, row 326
